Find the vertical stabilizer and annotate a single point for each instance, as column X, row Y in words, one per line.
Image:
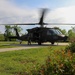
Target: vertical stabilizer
column 17, row 34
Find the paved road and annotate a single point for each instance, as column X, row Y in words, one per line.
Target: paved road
column 17, row 48
column 25, row 46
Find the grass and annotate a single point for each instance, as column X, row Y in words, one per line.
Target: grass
column 24, row 61
column 8, row 44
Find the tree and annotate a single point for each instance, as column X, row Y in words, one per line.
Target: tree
column 64, row 32
column 18, row 28
column 71, row 35
column 70, row 32
column 9, row 31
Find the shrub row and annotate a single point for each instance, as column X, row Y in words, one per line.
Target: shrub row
column 62, row 63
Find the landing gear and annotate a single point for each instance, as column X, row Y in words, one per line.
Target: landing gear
column 20, row 42
column 39, row 42
column 52, row 42
column 29, row 42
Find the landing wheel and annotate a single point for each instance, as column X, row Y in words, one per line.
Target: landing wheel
column 39, row 43
column 52, row 42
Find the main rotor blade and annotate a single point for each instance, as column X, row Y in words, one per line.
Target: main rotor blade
column 22, row 24
column 39, row 24
column 42, row 16
column 58, row 23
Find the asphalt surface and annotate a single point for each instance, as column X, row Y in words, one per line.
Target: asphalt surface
column 25, row 46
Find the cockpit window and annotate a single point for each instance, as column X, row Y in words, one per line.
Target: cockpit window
column 59, row 32
column 49, row 32
column 56, row 31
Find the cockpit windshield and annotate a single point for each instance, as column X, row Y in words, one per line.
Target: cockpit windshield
column 56, row 31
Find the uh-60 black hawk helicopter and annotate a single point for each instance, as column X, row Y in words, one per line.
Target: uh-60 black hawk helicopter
column 41, row 34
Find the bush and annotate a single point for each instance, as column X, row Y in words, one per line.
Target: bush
column 62, row 63
column 71, row 47
column 2, row 37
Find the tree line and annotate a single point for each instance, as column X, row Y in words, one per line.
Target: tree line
column 9, row 31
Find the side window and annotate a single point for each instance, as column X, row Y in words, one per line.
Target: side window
column 49, row 32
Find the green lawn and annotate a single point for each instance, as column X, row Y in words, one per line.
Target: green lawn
column 8, row 44
column 24, row 61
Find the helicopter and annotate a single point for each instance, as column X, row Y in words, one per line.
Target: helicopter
column 41, row 34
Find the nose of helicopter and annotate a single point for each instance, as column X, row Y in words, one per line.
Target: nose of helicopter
column 63, row 37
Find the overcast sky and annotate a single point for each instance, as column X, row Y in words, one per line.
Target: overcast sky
column 27, row 11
